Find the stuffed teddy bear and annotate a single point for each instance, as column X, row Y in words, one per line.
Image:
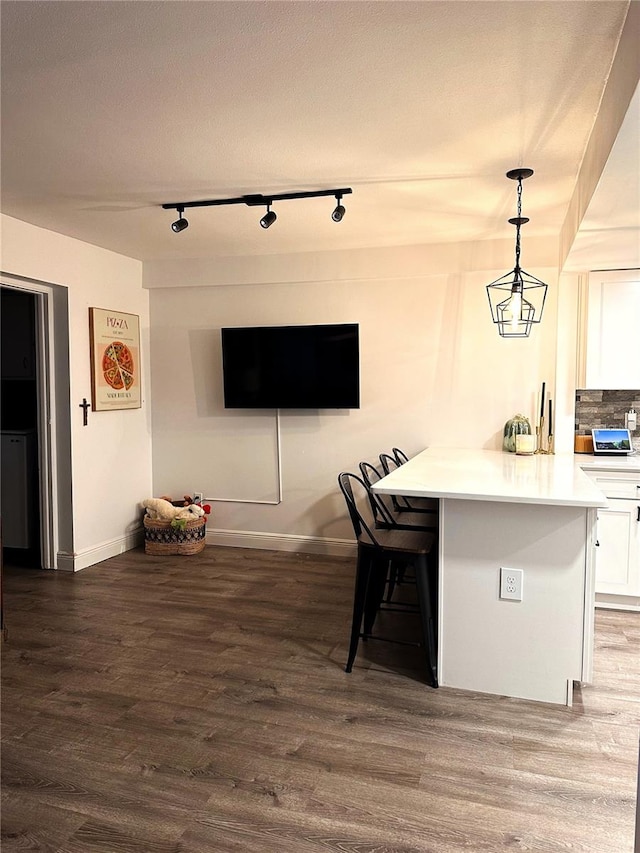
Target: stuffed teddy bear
column 162, row 510
column 190, row 512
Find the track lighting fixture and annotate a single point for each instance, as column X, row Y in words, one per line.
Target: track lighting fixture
column 181, row 223
column 517, row 298
column 256, row 200
column 339, row 210
column 269, row 218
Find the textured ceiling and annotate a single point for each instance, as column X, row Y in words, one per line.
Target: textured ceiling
column 110, row 109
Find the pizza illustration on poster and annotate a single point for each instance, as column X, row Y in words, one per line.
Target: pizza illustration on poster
column 115, row 360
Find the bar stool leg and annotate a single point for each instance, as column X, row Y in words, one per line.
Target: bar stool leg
column 375, row 592
column 393, row 577
column 363, row 572
column 426, row 618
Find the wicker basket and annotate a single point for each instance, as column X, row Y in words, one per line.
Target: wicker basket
column 161, row 539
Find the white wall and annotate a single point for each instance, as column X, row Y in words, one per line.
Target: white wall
column 111, row 457
column 433, row 372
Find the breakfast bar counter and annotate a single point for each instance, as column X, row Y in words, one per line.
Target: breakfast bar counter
column 535, row 514
column 492, row 475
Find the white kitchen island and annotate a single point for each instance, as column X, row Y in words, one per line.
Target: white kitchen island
column 534, row 513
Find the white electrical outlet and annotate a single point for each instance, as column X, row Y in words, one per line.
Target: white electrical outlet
column 511, row 582
column 197, row 497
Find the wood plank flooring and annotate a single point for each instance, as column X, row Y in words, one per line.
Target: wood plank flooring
column 199, row 705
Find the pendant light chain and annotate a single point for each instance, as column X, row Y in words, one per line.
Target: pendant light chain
column 518, row 223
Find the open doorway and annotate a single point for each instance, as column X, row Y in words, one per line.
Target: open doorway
column 20, row 507
column 36, row 470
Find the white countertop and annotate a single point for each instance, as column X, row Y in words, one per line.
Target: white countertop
column 493, row 475
column 589, row 462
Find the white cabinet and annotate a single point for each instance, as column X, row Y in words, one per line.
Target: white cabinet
column 618, row 538
column 612, row 336
column 618, row 558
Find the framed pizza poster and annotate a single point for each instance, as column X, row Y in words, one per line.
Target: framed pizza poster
column 115, row 360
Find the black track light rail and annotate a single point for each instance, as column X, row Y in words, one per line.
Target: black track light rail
column 255, row 199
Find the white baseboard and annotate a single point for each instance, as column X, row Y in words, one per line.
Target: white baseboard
column 618, row 602
column 230, row 538
column 282, row 542
column 90, row 556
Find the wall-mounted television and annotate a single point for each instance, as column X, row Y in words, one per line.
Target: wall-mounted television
column 291, row 367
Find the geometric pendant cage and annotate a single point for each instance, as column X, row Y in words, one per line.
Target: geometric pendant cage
column 516, row 302
column 517, row 298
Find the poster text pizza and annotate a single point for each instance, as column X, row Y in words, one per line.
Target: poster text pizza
column 119, row 322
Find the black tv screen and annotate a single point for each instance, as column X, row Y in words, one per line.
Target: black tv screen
column 291, row 367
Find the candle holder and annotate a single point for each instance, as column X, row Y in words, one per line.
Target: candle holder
column 540, row 441
column 540, row 436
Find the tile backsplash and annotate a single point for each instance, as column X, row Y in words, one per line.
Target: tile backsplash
column 605, row 409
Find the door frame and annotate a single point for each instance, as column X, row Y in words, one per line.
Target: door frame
column 46, row 414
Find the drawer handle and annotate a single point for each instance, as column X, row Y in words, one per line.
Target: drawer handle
column 638, row 518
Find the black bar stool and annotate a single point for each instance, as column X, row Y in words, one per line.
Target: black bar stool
column 375, row 551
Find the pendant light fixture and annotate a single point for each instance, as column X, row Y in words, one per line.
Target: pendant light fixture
column 517, row 298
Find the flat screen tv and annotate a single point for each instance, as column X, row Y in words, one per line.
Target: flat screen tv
column 291, row 367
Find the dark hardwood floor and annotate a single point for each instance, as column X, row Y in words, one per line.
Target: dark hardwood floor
column 199, row 705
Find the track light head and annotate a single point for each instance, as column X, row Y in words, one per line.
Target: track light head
column 339, row 210
column 269, row 218
column 181, row 223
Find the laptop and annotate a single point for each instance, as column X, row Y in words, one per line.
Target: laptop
column 611, row 442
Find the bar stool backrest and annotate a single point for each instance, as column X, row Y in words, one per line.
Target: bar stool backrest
column 380, row 504
column 356, row 495
column 390, row 463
